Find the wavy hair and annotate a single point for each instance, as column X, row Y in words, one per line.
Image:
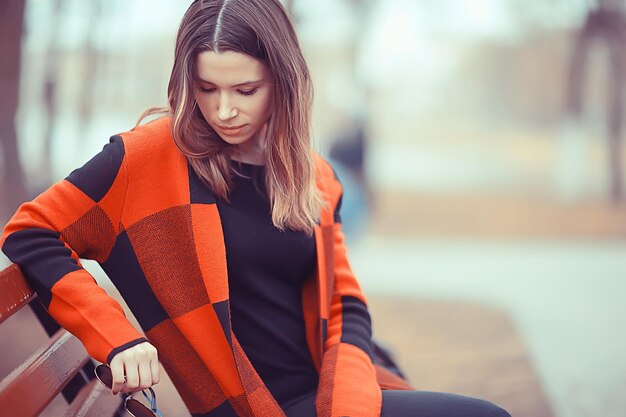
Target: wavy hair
column 263, row 30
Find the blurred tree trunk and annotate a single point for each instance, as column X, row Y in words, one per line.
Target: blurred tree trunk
column 606, row 23
column 13, row 185
column 50, row 89
column 91, row 59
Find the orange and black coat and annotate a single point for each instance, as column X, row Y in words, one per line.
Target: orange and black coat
column 140, row 211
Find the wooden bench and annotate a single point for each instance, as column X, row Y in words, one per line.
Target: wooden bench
column 61, row 365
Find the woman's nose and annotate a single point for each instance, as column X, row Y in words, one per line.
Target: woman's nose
column 226, row 110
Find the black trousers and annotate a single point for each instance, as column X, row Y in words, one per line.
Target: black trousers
column 410, row 404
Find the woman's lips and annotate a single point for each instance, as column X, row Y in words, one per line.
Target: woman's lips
column 231, row 131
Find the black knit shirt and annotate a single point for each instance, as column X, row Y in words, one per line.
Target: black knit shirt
column 266, row 271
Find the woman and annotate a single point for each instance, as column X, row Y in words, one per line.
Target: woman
column 220, row 227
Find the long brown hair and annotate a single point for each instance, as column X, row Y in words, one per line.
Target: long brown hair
column 263, row 30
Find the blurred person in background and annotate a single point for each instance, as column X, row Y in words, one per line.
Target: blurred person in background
column 221, row 228
column 347, row 155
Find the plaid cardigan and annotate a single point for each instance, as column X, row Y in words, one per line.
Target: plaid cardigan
column 139, row 210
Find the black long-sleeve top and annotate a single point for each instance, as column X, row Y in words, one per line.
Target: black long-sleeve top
column 266, row 271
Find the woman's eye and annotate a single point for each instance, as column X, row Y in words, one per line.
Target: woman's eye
column 247, row 92
column 207, row 90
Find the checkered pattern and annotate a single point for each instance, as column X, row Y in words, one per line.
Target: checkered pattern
column 141, row 212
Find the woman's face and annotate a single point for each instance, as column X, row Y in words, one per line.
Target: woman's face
column 234, row 94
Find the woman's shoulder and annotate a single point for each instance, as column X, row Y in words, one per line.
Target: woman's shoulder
column 155, row 132
column 326, row 176
column 323, row 168
column 152, row 140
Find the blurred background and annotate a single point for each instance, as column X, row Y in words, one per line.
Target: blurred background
column 479, row 143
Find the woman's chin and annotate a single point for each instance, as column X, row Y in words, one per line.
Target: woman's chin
column 235, row 140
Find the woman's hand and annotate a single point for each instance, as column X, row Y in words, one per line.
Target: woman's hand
column 135, row 368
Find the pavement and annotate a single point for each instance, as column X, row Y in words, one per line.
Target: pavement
column 462, row 348
column 532, row 324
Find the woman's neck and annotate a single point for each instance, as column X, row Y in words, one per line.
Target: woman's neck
column 247, row 160
column 252, row 152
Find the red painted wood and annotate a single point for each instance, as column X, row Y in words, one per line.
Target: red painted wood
column 14, row 291
column 94, row 400
column 31, row 387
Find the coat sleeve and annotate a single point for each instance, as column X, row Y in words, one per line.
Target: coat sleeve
column 78, row 217
column 348, row 383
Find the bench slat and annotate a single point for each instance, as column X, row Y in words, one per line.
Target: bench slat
column 15, row 292
column 94, row 400
column 31, row 387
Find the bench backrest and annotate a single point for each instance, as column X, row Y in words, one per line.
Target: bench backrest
column 30, row 387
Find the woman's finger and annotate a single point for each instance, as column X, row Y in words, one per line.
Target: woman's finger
column 155, row 370
column 145, row 374
column 132, row 376
column 117, row 373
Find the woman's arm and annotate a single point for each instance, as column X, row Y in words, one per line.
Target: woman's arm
column 348, row 384
column 78, row 217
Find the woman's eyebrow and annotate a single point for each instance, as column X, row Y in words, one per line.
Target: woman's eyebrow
column 235, row 85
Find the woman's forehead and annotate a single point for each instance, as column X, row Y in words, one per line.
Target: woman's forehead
column 229, row 68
